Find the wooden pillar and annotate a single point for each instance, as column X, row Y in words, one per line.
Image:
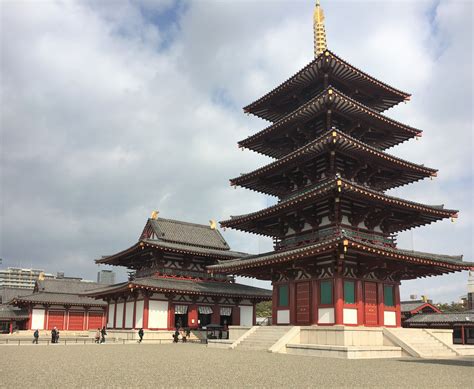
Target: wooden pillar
column 107, row 314
column 274, row 304
column 380, row 304
column 115, row 313
column 463, row 340
column 46, row 317
column 254, row 319
column 124, row 313
column 66, row 319
column 30, row 319
column 236, row 316
column 134, row 322
column 398, row 315
column 145, row 311
column 360, row 303
column 10, row 330
column 171, row 323
column 193, row 316
column 292, row 298
column 216, row 314
column 338, row 300
column 314, row 302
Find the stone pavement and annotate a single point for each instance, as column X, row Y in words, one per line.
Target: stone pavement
column 194, row 365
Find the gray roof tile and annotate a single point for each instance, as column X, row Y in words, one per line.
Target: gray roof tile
column 428, row 318
column 57, row 298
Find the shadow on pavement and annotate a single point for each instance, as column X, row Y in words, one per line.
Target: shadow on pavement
column 448, row 362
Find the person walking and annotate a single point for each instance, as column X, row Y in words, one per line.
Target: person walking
column 183, row 335
column 35, row 337
column 140, row 334
column 53, row 335
column 103, row 332
column 97, row 336
column 57, row 336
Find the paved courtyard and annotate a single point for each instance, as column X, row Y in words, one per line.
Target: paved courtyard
column 193, row 365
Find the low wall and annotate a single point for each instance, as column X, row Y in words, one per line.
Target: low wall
column 150, row 334
column 235, row 332
column 342, row 336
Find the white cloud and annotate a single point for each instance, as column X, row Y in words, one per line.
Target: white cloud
column 109, row 112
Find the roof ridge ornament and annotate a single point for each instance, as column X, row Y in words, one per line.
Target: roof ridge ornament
column 320, row 45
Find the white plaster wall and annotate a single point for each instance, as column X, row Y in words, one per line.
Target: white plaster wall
column 119, row 319
column 389, row 318
column 349, row 316
column 129, row 315
column 246, row 315
column 325, row 315
column 37, row 319
column 110, row 323
column 139, row 314
column 283, row 316
column 157, row 314
column 158, row 296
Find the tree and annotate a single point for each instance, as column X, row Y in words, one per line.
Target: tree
column 264, row 309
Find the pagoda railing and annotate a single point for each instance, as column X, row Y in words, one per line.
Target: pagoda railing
column 316, row 235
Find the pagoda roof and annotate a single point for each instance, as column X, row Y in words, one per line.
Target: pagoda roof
column 185, row 233
column 64, row 286
column 340, row 69
column 445, row 263
column 9, row 312
column 428, row 213
column 396, row 132
column 190, row 287
column 167, row 247
column 342, row 141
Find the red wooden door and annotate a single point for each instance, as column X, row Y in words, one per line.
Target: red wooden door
column 95, row 321
column 302, row 303
column 55, row 319
column 370, row 300
column 76, row 321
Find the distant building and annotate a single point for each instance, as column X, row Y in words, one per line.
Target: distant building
column 106, row 277
column 470, row 291
column 14, row 277
column 60, row 303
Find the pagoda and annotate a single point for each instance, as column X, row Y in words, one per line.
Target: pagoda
column 334, row 227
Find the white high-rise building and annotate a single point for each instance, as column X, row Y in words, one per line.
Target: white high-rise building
column 15, row 277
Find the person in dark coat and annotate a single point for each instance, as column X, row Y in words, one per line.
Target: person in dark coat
column 53, row 335
column 140, row 334
column 103, row 332
column 35, row 337
column 176, row 336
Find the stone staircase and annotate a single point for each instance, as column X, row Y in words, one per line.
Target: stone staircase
column 263, row 338
column 418, row 343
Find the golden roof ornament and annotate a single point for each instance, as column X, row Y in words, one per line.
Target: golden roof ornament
column 212, row 224
column 320, row 44
column 154, row 215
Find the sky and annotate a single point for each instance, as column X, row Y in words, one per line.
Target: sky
column 112, row 109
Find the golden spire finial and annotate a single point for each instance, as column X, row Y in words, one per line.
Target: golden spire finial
column 320, row 45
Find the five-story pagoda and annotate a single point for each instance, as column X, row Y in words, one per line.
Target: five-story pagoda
column 335, row 260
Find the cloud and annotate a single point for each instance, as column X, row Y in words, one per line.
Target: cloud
column 110, row 111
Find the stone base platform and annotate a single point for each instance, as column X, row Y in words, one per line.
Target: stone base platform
column 344, row 352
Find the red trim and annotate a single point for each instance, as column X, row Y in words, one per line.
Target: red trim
column 398, row 316
column 380, row 304
column 46, row 317
column 30, row 320
column 134, row 323
column 314, row 301
column 193, row 315
column 145, row 312
column 360, row 303
column 170, row 315
column 416, row 310
column 338, row 301
column 115, row 314
column 236, row 316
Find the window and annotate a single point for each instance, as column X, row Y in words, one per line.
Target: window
column 283, row 296
column 349, row 292
column 388, row 296
column 325, row 288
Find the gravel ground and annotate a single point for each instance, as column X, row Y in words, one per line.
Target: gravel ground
column 194, row 365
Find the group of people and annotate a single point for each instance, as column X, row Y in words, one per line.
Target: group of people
column 54, row 335
column 181, row 332
column 100, row 335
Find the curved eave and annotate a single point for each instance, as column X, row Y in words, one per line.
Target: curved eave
column 448, row 264
column 339, row 103
column 120, row 257
column 310, row 72
column 341, row 185
column 19, row 301
column 316, row 147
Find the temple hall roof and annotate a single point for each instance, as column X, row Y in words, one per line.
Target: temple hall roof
column 65, row 286
column 57, row 298
column 190, row 234
column 194, row 287
column 8, row 312
column 440, row 318
column 415, row 305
